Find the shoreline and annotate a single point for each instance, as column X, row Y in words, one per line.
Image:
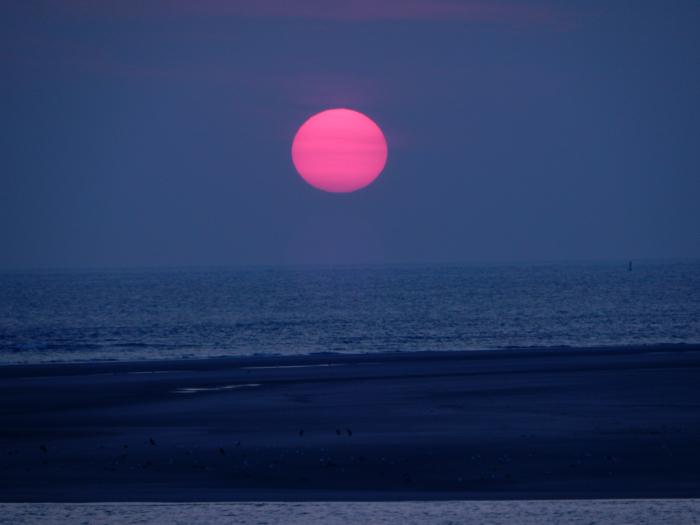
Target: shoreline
column 475, row 425
column 8, row 368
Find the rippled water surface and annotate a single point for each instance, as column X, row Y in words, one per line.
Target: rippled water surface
column 125, row 315
column 583, row 512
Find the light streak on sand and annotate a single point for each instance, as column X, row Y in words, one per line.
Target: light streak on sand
column 192, row 390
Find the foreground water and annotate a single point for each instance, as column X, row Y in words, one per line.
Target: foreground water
column 134, row 315
column 573, row 512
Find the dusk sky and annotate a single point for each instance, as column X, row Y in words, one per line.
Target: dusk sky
column 516, row 131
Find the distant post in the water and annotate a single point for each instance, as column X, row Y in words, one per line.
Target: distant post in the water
column 629, row 266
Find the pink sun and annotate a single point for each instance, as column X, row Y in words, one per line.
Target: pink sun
column 339, row 150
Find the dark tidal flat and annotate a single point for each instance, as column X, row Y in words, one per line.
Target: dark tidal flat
column 525, row 424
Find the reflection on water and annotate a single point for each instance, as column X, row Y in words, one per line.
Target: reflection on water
column 574, row 512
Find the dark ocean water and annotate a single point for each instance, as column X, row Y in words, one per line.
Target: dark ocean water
column 149, row 314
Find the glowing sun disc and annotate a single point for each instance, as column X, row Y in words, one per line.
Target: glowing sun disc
column 339, row 150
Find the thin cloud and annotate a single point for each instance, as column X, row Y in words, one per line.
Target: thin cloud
column 347, row 10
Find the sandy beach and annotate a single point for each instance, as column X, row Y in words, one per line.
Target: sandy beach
column 520, row 424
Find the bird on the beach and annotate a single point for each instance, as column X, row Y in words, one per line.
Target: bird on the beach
column 153, row 442
column 44, row 449
column 301, row 432
column 222, row 451
column 238, row 443
column 349, row 431
column 337, row 431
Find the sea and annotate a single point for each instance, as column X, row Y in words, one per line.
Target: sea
column 152, row 314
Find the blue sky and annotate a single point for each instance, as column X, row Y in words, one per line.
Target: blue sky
column 160, row 135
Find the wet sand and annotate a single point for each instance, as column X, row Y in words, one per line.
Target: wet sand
column 525, row 424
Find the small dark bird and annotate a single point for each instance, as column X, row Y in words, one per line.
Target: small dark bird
column 349, row 431
column 44, row 449
column 301, row 432
column 337, row 431
column 153, row 442
column 238, row 443
column 222, row 451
